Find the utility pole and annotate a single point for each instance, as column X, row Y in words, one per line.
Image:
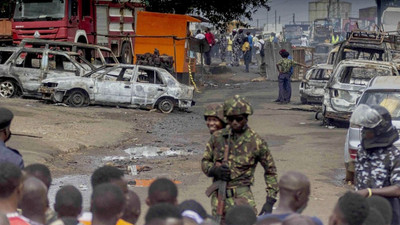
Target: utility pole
column 294, row 18
column 267, row 22
column 275, row 20
column 279, row 20
column 257, row 23
column 329, row 8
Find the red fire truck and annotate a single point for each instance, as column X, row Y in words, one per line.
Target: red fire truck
column 101, row 22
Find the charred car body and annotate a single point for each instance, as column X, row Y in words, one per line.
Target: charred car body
column 366, row 45
column 312, row 86
column 97, row 55
column 124, row 85
column 346, row 84
column 23, row 72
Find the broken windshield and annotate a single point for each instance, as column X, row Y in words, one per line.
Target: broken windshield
column 42, row 10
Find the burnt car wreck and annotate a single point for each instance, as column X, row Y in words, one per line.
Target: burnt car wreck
column 312, row 86
column 122, row 85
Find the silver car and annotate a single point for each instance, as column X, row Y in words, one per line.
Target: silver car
column 384, row 91
column 312, row 86
column 346, row 84
column 125, row 85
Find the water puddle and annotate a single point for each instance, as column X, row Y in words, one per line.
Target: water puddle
column 151, row 152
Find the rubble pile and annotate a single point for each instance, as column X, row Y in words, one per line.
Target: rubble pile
column 163, row 61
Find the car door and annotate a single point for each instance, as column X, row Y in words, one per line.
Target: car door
column 114, row 86
column 58, row 65
column 148, row 86
column 26, row 66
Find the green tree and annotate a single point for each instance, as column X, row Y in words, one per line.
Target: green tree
column 217, row 11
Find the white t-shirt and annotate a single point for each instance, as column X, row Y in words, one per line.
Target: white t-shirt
column 304, row 41
column 200, row 36
column 258, row 45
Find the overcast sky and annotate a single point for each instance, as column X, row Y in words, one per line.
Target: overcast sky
column 286, row 8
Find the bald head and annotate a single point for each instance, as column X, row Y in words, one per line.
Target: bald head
column 132, row 207
column 294, row 191
column 294, row 181
column 34, row 200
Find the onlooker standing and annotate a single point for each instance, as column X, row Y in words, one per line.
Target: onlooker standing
column 246, row 53
column 229, row 48
column 107, row 204
column 11, row 191
column 162, row 190
column 284, row 67
column 377, row 169
column 68, row 203
column 259, row 47
column 8, row 154
column 251, row 43
column 304, row 40
column 294, row 193
column 199, row 36
column 34, row 201
column 211, row 41
column 351, row 209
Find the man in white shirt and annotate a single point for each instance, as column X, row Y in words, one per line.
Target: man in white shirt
column 259, row 45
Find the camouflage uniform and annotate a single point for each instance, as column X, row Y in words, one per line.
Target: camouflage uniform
column 245, row 151
column 378, row 168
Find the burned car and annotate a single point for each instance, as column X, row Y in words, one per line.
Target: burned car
column 23, row 72
column 312, row 86
column 95, row 54
column 346, row 84
column 122, row 85
column 321, row 52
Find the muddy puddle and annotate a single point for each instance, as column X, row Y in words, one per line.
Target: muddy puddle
column 127, row 161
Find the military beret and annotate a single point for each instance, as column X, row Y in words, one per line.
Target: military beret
column 5, row 117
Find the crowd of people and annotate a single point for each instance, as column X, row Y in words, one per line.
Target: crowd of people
column 230, row 159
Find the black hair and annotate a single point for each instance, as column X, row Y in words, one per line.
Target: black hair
column 354, row 208
column 375, row 218
column 163, row 190
column 383, row 206
column 241, row 215
column 68, row 202
column 10, row 178
column 107, row 201
column 162, row 211
column 285, row 54
column 41, row 172
column 194, row 206
column 105, row 174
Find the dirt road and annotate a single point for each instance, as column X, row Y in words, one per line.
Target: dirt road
column 73, row 142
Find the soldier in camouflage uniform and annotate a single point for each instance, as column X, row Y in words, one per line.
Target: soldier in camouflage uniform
column 246, row 149
column 284, row 67
column 214, row 117
column 223, row 43
column 377, row 170
column 237, row 47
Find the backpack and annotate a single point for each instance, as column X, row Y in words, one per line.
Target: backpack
column 262, row 53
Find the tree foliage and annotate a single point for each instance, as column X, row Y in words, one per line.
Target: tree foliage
column 217, row 11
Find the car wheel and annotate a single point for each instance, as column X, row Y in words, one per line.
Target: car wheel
column 8, row 89
column 126, row 54
column 303, row 100
column 77, row 99
column 166, row 105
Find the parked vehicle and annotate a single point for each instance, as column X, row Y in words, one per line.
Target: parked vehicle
column 6, row 53
column 97, row 55
column 346, row 84
column 384, row 91
column 312, row 86
column 6, row 15
column 125, row 85
column 105, row 23
column 321, row 52
column 23, row 72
